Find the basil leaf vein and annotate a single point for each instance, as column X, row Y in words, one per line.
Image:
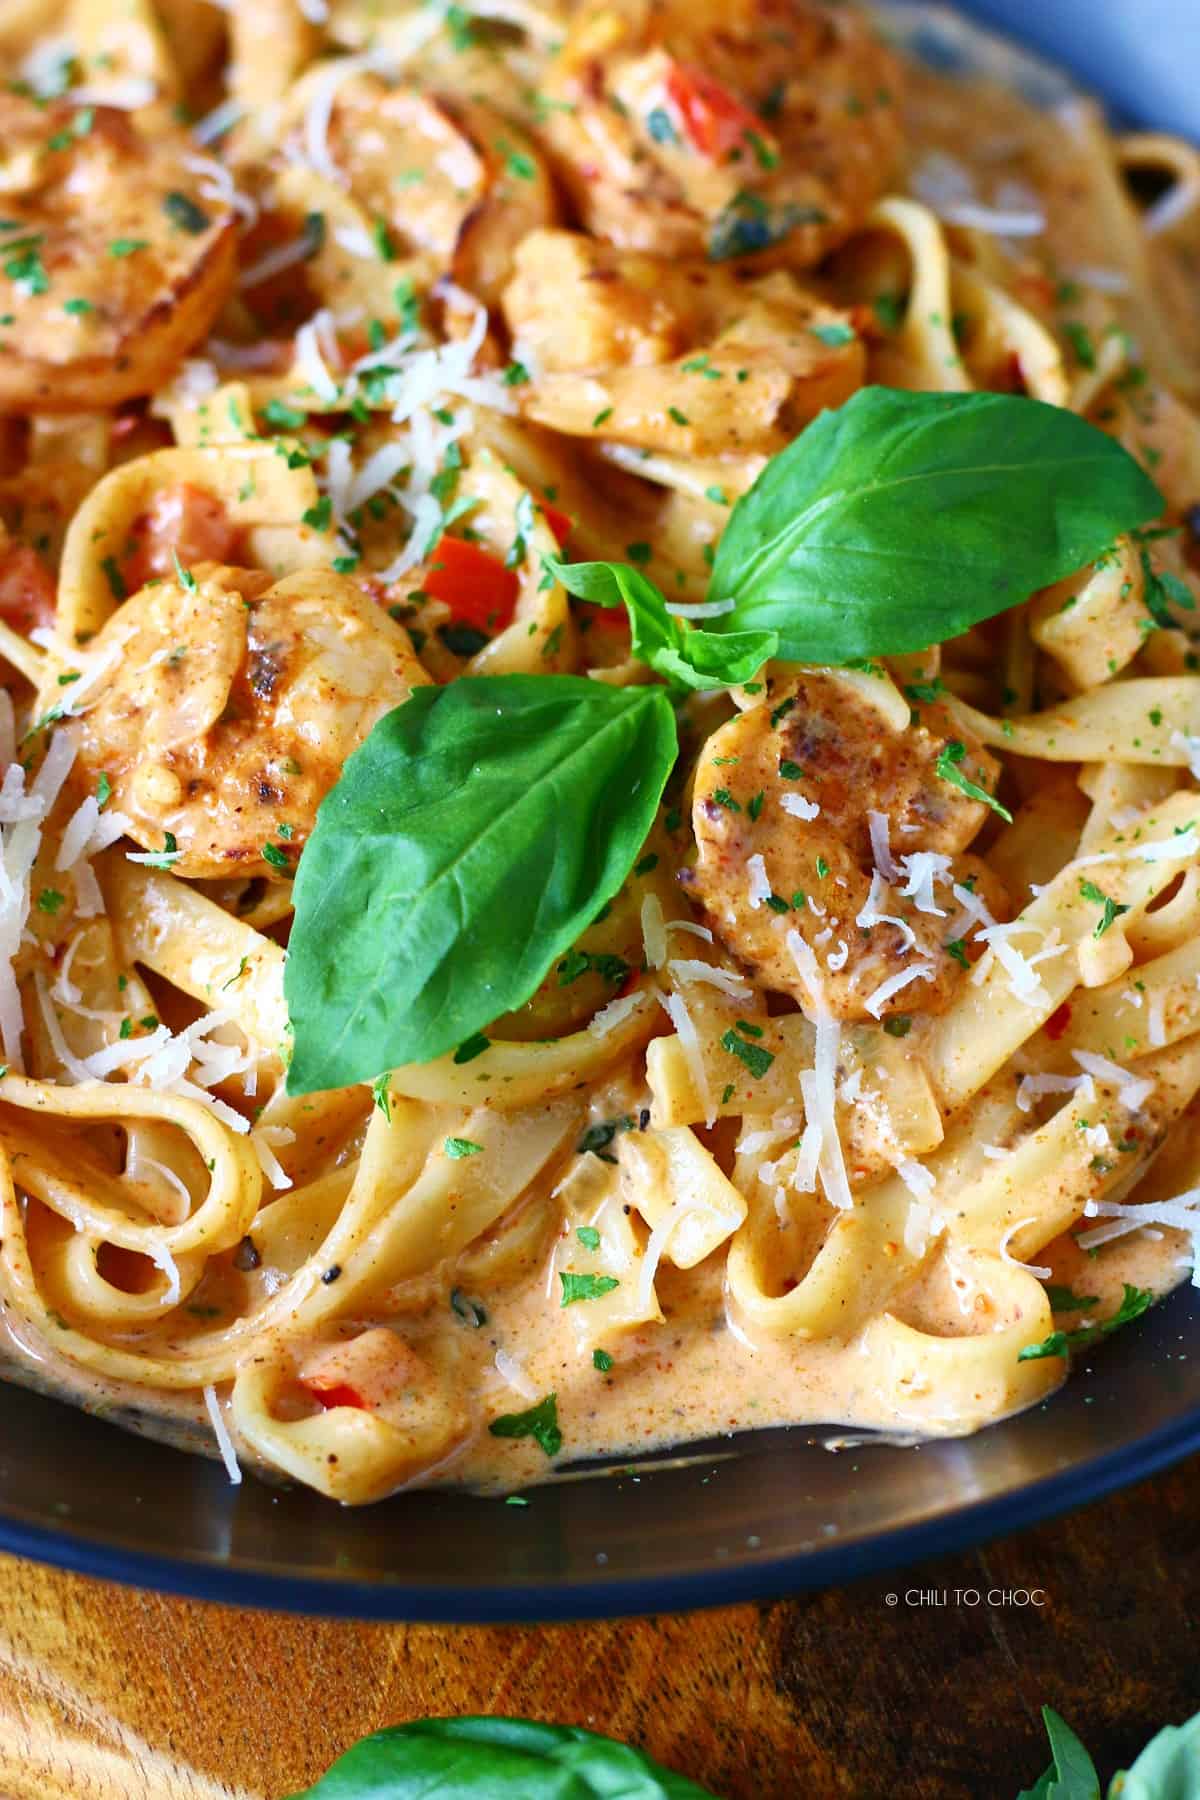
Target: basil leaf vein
column 468, row 844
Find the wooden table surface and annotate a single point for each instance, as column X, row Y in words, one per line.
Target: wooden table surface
column 109, row 1693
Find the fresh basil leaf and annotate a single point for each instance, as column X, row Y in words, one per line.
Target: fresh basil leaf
column 1072, row 1775
column 679, row 652
column 496, row 1759
column 1167, row 1769
column 900, row 519
column 470, row 840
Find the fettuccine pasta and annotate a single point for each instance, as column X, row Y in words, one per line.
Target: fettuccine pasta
column 330, row 334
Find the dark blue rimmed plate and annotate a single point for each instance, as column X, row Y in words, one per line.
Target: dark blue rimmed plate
column 767, row 1515
column 763, row 1516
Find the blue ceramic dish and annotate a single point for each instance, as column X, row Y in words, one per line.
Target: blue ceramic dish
column 766, row 1515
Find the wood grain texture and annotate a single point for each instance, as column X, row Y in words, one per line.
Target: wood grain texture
column 112, row 1694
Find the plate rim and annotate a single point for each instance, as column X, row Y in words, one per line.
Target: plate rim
column 773, row 1576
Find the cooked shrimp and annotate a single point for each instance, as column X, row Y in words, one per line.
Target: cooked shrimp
column 231, row 706
column 443, row 179
column 647, row 354
column 763, row 128
column 115, row 266
column 782, row 800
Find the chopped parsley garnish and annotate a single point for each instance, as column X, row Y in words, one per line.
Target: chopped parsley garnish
column 588, row 1236
column 278, row 412
column 1080, row 340
column 835, row 334
column 1098, row 897
column 187, row 582
column 26, row 268
column 948, row 768
column 456, row 1147
column 383, row 240
column 50, row 900
column 183, row 212
column 515, row 375
column 755, row 1058
column 103, row 790
column 381, row 1094
column 275, row 856
column 958, row 950
column 320, row 515
column 597, row 1138
column 469, row 1311
column 585, row 1287
column 472, row 1047
column 602, row 1360
column 539, row 1422
column 899, row 1025
column 122, row 247
column 1134, row 1302
column 584, row 962
column 660, row 126
column 167, row 857
column 77, row 307
column 1064, row 1299
column 646, row 864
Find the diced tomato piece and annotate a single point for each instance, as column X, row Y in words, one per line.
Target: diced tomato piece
column 26, row 589
column 475, row 585
column 184, row 521
column 1058, row 1021
column 714, row 120
column 366, row 1371
column 340, row 1394
column 560, row 523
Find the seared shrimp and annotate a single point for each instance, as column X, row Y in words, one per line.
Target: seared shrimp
column 643, row 353
column 231, row 706
column 115, row 263
column 444, row 179
column 725, row 128
column 783, row 795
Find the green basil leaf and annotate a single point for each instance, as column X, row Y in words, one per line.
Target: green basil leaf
column 679, row 652
column 1167, row 1769
column 1072, row 1775
column 496, row 1759
column 468, row 843
column 900, row 519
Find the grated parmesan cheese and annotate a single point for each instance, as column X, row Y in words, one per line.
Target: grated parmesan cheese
column 879, row 827
column 799, row 807
column 758, row 888
column 887, row 990
column 1134, row 1090
column 688, row 969
column 689, row 1042
column 221, row 1433
column 654, row 931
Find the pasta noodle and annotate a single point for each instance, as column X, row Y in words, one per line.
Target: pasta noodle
column 853, row 1102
